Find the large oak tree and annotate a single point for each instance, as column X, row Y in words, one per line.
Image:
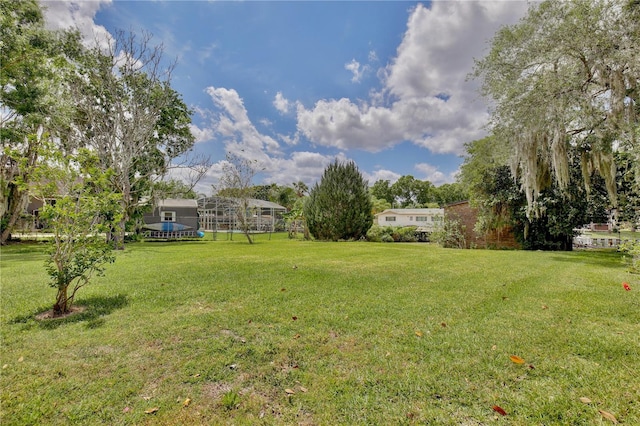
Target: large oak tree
column 566, row 77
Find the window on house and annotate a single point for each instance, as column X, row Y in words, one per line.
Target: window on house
column 410, row 218
column 168, row 216
column 421, row 218
column 390, row 219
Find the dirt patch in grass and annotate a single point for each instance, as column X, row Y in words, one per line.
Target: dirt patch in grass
column 48, row 315
column 216, row 390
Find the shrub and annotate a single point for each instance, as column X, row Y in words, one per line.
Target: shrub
column 632, row 248
column 451, row 235
column 339, row 207
column 407, row 234
column 389, row 234
column 386, row 238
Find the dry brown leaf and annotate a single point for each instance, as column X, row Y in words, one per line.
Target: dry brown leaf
column 151, row 410
column 289, row 391
column 186, row 402
column 294, row 317
column 585, row 400
column 21, row 359
column 303, row 389
column 608, row 416
column 545, row 307
column 494, row 347
column 5, row 366
column 516, row 359
column 297, row 336
column 419, row 333
column 499, row 410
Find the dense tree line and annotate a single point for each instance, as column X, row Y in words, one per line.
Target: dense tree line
column 408, row 192
column 59, row 96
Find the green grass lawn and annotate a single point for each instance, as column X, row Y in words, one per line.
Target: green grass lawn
column 290, row 332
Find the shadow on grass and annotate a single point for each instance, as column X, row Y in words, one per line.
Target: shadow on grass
column 94, row 309
column 607, row 257
column 17, row 250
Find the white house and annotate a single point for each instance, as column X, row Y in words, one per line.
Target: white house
column 422, row 218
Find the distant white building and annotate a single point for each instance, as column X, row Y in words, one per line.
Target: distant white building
column 428, row 219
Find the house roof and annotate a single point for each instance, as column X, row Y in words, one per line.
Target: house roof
column 177, row 202
column 253, row 202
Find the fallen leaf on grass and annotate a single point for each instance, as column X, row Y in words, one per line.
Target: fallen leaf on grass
column 294, row 317
column 499, row 410
column 297, row 336
column 585, row 400
column 303, row 389
column 545, row 307
column 444, row 324
column 151, row 410
column 21, row 359
column 516, row 359
column 494, row 347
column 626, row 286
column 289, row 391
column 419, row 333
column 186, row 402
column 608, row 416
column 5, row 366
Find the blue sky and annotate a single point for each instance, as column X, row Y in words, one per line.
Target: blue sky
column 295, row 85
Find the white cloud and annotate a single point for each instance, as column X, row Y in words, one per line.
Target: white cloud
column 201, row 135
column 432, row 174
column 80, row 15
column 381, row 175
column 300, row 166
column 240, row 137
column 281, row 103
column 232, row 123
column 425, row 98
column 357, row 70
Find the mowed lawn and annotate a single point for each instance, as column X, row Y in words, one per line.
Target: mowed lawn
column 290, row 332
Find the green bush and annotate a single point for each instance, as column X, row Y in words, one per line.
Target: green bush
column 407, row 234
column 451, row 235
column 390, row 234
column 386, row 238
column 632, row 249
column 339, row 207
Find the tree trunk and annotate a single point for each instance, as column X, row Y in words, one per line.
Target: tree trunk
column 17, row 201
column 62, row 301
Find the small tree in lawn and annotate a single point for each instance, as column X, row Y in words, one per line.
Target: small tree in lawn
column 237, row 183
column 339, row 207
column 78, row 220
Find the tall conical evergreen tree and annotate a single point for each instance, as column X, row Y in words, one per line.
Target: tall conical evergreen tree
column 339, row 206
